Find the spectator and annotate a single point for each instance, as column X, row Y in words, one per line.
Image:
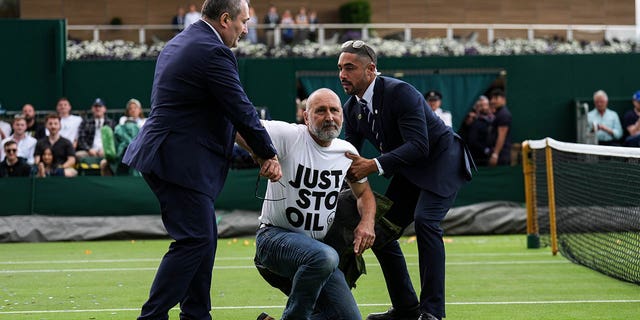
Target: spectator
column 178, row 20
column 631, row 122
column 501, row 150
column 46, row 167
column 289, row 245
column 252, row 33
column 133, row 112
column 313, row 21
column 192, row 16
column 434, row 99
column 26, row 144
column 302, row 19
column 122, row 137
column 34, row 127
column 90, row 133
column 287, row 33
column 5, row 129
column 69, row 123
column 605, row 122
column 480, row 136
column 61, row 148
column 471, row 116
column 12, row 165
column 272, row 18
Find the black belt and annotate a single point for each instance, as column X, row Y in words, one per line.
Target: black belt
column 264, row 225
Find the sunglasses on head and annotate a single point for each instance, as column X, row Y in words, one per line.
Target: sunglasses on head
column 358, row 44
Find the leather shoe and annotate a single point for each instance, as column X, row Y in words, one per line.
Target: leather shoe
column 393, row 314
column 427, row 316
column 264, row 316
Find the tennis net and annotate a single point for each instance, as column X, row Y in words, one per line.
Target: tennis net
column 584, row 202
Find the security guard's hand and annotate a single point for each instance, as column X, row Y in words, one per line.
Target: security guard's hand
column 360, row 167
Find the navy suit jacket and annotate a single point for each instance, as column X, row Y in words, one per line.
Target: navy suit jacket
column 197, row 104
column 413, row 141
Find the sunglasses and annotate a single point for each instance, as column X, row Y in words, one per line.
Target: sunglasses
column 265, row 199
column 10, row 150
column 359, row 44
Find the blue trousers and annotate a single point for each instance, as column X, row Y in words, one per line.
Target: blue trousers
column 319, row 290
column 184, row 274
column 426, row 209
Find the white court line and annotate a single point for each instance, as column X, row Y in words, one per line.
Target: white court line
column 470, row 263
column 545, row 253
column 107, row 261
column 251, row 266
column 361, row 305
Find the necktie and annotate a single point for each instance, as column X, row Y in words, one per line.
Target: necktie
column 370, row 118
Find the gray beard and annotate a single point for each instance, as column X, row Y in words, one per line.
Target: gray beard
column 326, row 135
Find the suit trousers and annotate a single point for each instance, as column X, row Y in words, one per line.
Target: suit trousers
column 426, row 209
column 184, row 274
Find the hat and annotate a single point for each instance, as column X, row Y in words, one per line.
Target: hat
column 134, row 101
column 433, row 95
column 636, row 96
column 98, row 102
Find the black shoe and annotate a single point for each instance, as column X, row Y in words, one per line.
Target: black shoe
column 427, row 316
column 264, row 316
column 393, row 314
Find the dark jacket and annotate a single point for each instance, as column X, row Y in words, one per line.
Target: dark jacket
column 413, row 141
column 19, row 169
column 197, row 104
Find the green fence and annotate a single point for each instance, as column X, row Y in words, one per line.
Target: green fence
column 541, row 91
column 120, row 196
column 31, row 60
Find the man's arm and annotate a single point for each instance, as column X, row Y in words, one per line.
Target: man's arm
column 502, row 136
column 71, row 161
column 224, row 83
column 269, row 168
column 364, row 234
column 634, row 128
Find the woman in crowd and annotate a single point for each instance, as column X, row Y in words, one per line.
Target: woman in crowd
column 134, row 113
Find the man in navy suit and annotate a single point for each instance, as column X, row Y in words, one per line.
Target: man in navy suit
column 427, row 164
column 185, row 147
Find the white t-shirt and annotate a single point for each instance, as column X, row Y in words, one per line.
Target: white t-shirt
column 69, row 127
column 311, row 195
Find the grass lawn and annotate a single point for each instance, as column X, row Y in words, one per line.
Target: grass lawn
column 488, row 277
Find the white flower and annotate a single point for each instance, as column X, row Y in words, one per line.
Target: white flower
column 127, row 50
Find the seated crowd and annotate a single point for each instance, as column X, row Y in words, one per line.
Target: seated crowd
column 66, row 144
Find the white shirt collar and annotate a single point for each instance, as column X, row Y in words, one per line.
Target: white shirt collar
column 214, row 30
column 368, row 94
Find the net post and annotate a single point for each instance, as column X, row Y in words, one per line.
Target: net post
column 528, row 170
column 552, row 199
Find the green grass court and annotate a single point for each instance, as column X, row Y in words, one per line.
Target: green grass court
column 488, row 277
